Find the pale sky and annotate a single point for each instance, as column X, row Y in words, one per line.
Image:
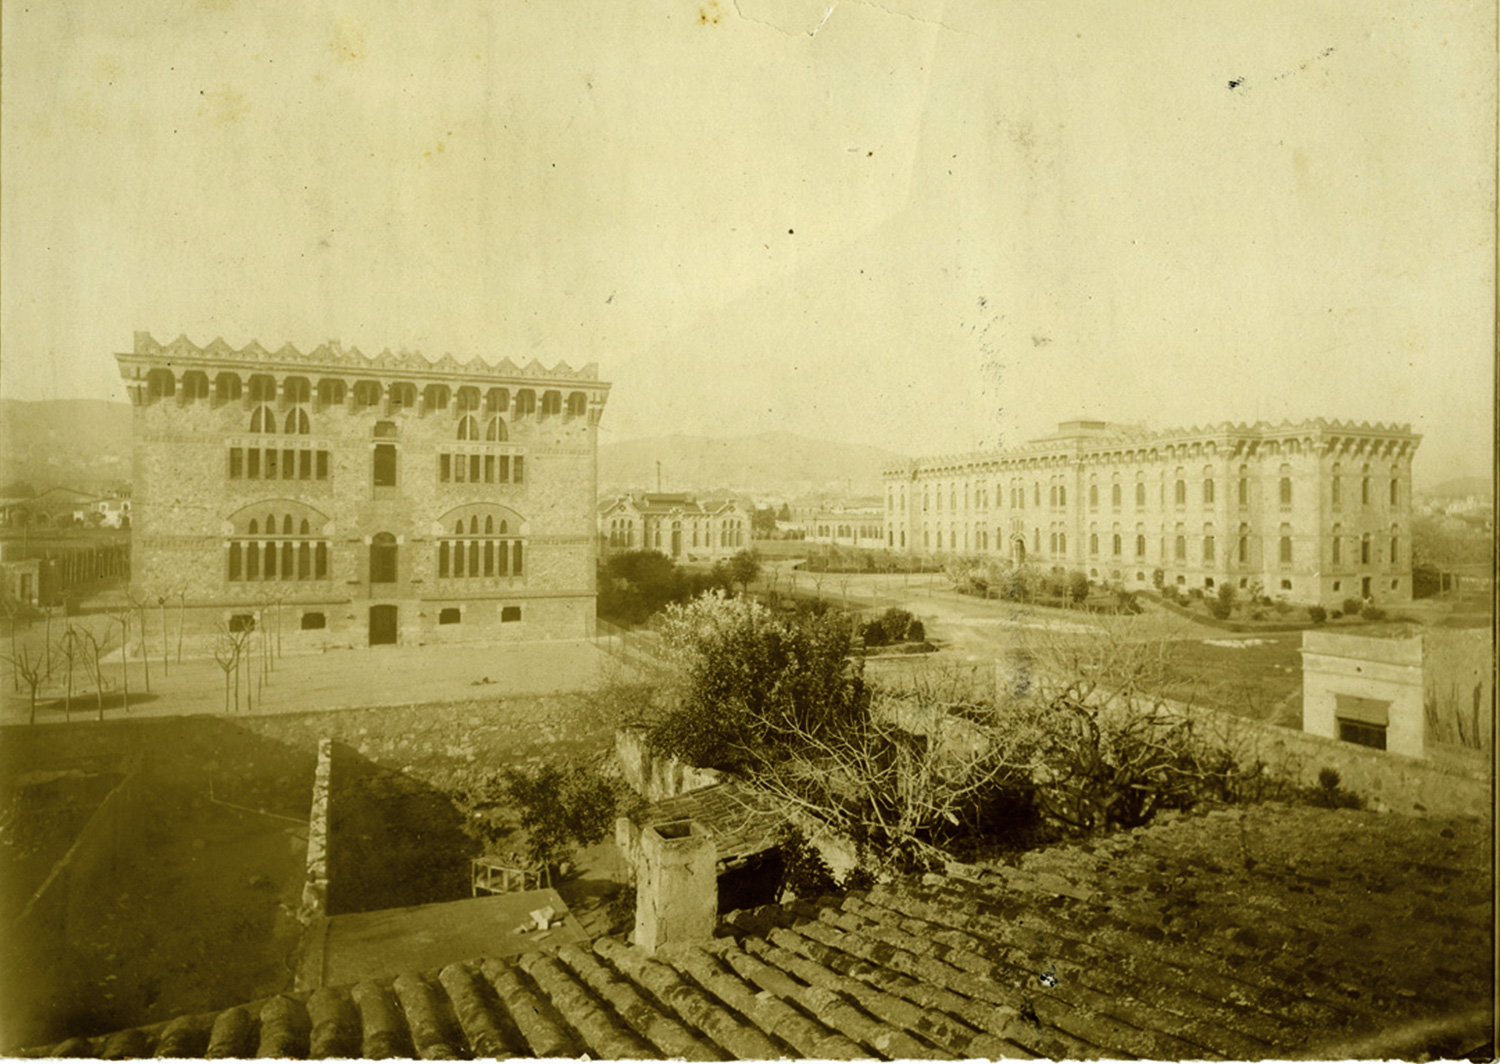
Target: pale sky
column 926, row 226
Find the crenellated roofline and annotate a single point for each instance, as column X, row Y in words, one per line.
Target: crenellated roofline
column 333, row 356
column 1118, row 439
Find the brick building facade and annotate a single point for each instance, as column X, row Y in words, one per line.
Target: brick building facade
column 1317, row 511
column 376, row 500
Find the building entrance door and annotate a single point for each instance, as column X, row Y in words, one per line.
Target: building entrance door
column 382, row 625
column 1364, row 588
column 1018, row 551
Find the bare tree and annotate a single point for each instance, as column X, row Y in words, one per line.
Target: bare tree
column 32, row 668
column 93, row 647
column 161, row 602
column 139, row 603
column 71, row 650
column 122, row 618
column 229, row 652
column 181, row 593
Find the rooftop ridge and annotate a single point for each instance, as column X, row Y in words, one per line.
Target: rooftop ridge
column 333, row 353
column 1118, row 434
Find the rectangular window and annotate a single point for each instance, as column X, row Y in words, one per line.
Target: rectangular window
column 236, row 463
column 252, row 464
column 516, row 470
column 385, row 465
column 510, row 613
column 1244, row 492
column 1353, row 731
column 322, row 465
column 504, row 469
column 473, row 469
column 489, row 469
column 320, row 561
column 460, row 469
column 449, row 615
column 288, row 464
column 311, row 621
column 1286, row 550
column 242, row 622
column 445, row 467
column 271, row 463
column 515, row 561
column 304, row 465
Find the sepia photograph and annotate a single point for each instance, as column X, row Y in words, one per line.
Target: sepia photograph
column 748, row 529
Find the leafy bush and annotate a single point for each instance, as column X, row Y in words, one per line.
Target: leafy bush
column 746, row 683
column 1372, row 612
column 1078, row 586
column 1282, row 606
column 1223, row 604
column 1335, row 615
column 634, row 585
column 1330, row 793
column 1317, row 614
column 1352, row 606
column 916, row 632
column 560, row 805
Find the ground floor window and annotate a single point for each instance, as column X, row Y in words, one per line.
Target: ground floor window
column 449, row 615
column 242, row 622
column 1362, row 733
column 312, row 620
column 510, row 613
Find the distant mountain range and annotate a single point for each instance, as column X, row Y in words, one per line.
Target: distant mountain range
column 1461, row 488
column 770, row 465
column 64, row 443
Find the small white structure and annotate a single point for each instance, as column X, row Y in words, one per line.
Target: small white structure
column 1364, row 690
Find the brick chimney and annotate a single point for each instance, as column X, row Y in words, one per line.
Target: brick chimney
column 677, row 885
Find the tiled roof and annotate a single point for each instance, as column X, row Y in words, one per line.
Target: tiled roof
column 1242, row 934
column 741, row 823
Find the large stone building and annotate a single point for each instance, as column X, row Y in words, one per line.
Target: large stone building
column 849, row 523
column 680, row 526
column 375, row 500
column 1317, row 511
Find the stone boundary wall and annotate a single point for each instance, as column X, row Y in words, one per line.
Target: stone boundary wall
column 654, row 776
column 1389, row 782
column 315, row 888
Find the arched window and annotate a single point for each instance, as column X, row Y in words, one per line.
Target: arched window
column 1336, row 486
column 331, row 392
column 497, row 400
column 1395, row 478
column 578, row 404
column 367, row 394
column 383, row 550
column 297, row 423
column 1093, row 495
column 160, row 384
column 262, row 388
column 263, row 420
column 1208, row 486
column 1114, row 495
column 1140, row 493
column 551, row 403
column 1364, row 549
column 1179, row 490
column 1286, row 486
column 1394, row 544
column 1093, row 543
column 284, row 546
column 525, row 402
column 1286, row 544
column 1208, row 547
column 468, row 427
column 1140, row 543
column 1116, row 545
column 435, row 397
column 495, row 431
column 1179, row 547
column 401, row 395
column 1244, row 544
column 1364, row 487
column 227, row 387
column 1062, row 495
column 467, row 399
column 194, row 385
column 484, row 543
